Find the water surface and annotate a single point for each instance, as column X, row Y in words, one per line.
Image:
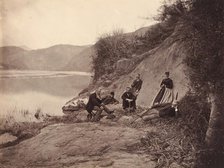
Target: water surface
column 23, row 92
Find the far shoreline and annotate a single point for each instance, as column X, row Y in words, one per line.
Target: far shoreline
column 14, row 73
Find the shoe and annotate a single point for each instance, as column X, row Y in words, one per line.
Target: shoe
column 111, row 116
column 111, row 112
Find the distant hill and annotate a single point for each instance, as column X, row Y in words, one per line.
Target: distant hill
column 11, row 57
column 80, row 63
column 53, row 58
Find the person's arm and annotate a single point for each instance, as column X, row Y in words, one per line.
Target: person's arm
column 133, row 97
column 123, row 96
column 95, row 101
column 171, row 84
column 162, row 83
column 140, row 85
column 133, row 84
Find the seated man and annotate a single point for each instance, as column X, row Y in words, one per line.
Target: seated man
column 109, row 99
column 128, row 100
column 95, row 103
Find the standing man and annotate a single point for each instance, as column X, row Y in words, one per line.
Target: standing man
column 95, row 103
column 136, row 87
column 137, row 84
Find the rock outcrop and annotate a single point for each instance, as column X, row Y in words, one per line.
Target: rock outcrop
column 166, row 57
column 78, row 145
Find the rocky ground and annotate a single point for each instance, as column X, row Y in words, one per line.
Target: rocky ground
column 126, row 141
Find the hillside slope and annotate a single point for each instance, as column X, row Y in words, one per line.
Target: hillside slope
column 10, row 57
column 83, row 61
column 168, row 56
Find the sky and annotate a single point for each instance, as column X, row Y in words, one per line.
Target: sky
column 43, row 23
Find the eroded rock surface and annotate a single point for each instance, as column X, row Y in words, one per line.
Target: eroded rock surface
column 80, row 145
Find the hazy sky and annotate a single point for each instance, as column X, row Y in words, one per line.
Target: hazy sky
column 43, row 23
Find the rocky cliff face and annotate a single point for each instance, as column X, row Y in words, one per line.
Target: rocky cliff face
column 168, row 56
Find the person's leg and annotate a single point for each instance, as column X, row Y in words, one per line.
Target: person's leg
column 125, row 104
column 106, row 109
column 134, row 104
column 151, row 116
column 89, row 116
column 98, row 113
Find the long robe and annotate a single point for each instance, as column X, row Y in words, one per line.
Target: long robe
column 165, row 94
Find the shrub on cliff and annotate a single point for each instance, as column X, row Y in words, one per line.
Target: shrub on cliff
column 109, row 49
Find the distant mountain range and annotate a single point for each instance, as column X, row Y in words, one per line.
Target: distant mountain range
column 58, row 57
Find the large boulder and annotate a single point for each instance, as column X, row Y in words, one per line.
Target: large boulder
column 124, row 65
column 74, row 105
column 126, row 120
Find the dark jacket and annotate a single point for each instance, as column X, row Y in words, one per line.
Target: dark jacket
column 93, row 101
column 126, row 104
column 168, row 83
column 137, row 84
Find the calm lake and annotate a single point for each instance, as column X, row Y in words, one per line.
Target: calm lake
column 23, row 92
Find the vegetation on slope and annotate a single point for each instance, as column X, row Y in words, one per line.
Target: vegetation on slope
column 115, row 46
column 203, row 35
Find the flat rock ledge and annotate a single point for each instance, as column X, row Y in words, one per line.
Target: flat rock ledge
column 79, row 145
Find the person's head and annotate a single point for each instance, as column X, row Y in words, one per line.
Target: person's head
column 128, row 89
column 98, row 91
column 112, row 94
column 138, row 76
column 167, row 74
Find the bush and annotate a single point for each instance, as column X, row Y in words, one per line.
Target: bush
column 172, row 10
column 153, row 37
column 109, row 49
column 195, row 111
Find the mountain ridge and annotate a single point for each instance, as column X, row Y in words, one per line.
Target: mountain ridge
column 52, row 58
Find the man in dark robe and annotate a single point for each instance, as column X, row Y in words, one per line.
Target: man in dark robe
column 129, row 100
column 137, row 84
column 95, row 103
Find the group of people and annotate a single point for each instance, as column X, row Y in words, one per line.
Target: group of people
column 130, row 95
column 98, row 104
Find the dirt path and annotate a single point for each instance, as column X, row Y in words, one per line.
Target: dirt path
column 79, row 145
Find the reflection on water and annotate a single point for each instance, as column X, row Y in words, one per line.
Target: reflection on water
column 31, row 90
